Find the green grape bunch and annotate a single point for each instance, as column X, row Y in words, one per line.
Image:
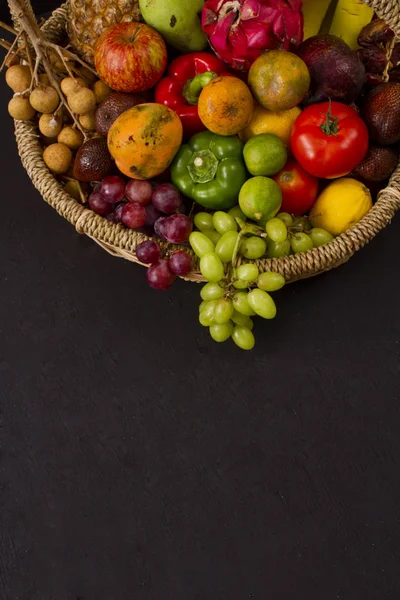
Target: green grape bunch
column 237, row 292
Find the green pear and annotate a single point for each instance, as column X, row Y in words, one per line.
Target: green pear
column 178, row 21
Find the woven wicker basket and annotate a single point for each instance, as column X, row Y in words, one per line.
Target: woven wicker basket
column 121, row 242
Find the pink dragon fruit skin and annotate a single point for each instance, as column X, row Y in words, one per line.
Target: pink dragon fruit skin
column 240, row 30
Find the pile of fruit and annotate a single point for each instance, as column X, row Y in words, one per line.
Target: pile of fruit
column 236, row 129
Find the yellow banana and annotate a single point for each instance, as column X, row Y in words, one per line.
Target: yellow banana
column 314, row 12
column 349, row 18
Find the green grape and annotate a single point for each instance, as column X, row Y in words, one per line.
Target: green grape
column 262, row 304
column 248, row 273
column 212, row 235
column 226, row 246
column 200, row 243
column 286, row 218
column 239, row 284
column 220, row 332
column 320, row 237
column 211, row 267
column 203, row 221
column 302, row 222
column 276, row 230
column 241, row 304
column 301, row 242
column 278, row 250
column 223, row 222
column 202, row 305
column 243, row 338
column 236, row 212
column 223, row 311
column 270, row 282
column 212, row 291
column 242, row 320
column 206, row 316
column 253, row 247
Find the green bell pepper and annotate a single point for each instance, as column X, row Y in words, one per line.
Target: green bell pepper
column 210, row 170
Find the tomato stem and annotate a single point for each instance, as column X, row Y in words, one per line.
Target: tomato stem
column 330, row 126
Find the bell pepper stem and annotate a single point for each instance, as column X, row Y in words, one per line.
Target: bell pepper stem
column 193, row 87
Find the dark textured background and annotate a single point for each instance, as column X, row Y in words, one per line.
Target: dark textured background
column 141, row 461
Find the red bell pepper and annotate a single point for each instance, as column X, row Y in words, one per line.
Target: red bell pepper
column 180, row 89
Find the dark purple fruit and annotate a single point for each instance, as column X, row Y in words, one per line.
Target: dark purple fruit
column 381, row 112
column 93, row 161
column 336, row 70
column 113, row 106
column 378, row 165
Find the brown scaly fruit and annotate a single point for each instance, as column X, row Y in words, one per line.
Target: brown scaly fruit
column 113, row 106
column 381, row 112
column 88, row 19
column 93, row 161
column 378, row 165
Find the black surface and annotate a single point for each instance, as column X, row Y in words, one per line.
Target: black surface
column 142, row 461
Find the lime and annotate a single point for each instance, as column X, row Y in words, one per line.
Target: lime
column 260, row 198
column 265, row 154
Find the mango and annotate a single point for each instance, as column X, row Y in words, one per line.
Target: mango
column 178, row 21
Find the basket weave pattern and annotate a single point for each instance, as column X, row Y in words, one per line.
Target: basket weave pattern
column 120, row 241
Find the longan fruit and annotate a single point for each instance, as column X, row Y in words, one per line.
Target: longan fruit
column 83, row 101
column 72, row 188
column 20, row 108
column 101, row 91
column 70, row 137
column 50, row 125
column 44, row 99
column 44, row 79
column 58, row 158
column 19, row 78
column 88, row 75
column 87, row 121
column 69, row 85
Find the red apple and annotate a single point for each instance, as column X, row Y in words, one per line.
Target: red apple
column 130, row 57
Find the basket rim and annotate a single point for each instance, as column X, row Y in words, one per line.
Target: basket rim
column 122, row 242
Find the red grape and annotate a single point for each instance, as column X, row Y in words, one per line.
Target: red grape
column 152, row 214
column 180, row 262
column 118, row 212
column 139, row 191
column 178, row 228
column 100, row 206
column 160, row 276
column 148, row 252
column 160, row 226
column 166, row 198
column 133, row 215
column 112, row 188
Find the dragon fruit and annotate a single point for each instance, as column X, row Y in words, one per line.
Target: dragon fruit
column 240, row 30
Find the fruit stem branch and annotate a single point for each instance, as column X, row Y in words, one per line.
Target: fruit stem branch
column 41, row 45
column 7, row 28
column 72, row 56
column 17, row 37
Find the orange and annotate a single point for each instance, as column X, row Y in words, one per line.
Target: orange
column 225, row 105
column 279, row 80
column 144, row 139
column 267, row 121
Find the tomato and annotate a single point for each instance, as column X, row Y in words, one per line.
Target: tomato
column 299, row 188
column 329, row 139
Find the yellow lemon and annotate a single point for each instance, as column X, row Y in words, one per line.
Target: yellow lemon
column 267, row 121
column 341, row 205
